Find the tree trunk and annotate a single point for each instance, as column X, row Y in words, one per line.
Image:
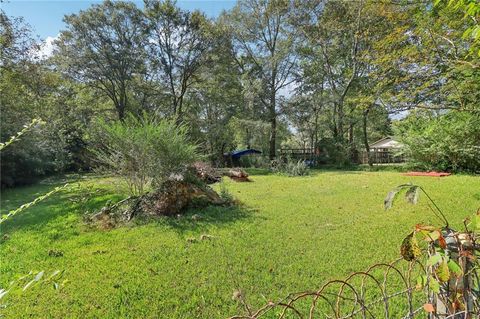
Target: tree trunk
column 273, row 116
column 365, row 135
column 122, row 102
column 351, row 146
column 273, row 126
column 273, row 136
column 121, row 112
column 340, row 122
column 315, row 142
column 120, row 106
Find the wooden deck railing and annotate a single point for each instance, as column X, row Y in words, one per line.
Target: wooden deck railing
column 377, row 156
column 381, row 156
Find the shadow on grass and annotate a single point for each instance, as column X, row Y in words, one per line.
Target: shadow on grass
column 75, row 201
column 67, row 207
column 326, row 168
column 199, row 219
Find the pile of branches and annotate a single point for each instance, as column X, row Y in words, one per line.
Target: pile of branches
column 210, row 175
column 205, row 172
column 171, row 199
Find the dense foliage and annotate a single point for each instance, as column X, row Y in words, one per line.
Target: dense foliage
column 290, row 167
column 448, row 141
column 143, row 151
column 330, row 75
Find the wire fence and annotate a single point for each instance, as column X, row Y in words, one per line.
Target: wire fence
column 385, row 290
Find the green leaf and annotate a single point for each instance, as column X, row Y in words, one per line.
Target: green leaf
column 455, row 268
column 434, row 285
column 39, row 276
column 434, row 259
column 3, row 292
column 412, row 194
column 55, row 273
column 442, row 271
column 389, row 199
column 388, row 202
column 28, row 284
column 433, row 235
column 34, row 280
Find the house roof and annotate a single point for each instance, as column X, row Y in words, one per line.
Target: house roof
column 386, row 142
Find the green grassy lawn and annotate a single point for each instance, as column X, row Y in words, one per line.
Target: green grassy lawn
column 292, row 234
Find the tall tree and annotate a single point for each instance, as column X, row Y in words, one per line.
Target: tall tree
column 332, row 30
column 103, row 47
column 178, row 41
column 426, row 61
column 264, row 43
column 337, row 62
column 217, row 97
column 30, row 88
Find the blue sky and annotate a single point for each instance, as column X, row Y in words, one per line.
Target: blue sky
column 46, row 16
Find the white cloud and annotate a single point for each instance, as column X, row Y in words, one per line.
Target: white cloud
column 45, row 49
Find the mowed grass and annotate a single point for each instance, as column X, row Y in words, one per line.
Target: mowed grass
column 291, row 234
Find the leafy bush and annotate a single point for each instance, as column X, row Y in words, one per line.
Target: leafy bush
column 290, row 168
column 442, row 142
column 143, row 151
column 256, row 161
column 333, row 152
column 37, row 155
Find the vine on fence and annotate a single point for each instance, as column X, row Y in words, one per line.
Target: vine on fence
column 436, row 276
column 25, row 129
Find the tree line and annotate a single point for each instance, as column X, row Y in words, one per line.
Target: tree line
column 264, row 74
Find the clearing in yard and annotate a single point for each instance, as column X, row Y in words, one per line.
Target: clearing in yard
column 291, row 234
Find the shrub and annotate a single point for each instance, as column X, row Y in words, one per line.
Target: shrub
column 442, row 142
column 299, row 168
column 255, row 161
column 143, row 151
column 290, row 168
column 38, row 154
column 334, row 152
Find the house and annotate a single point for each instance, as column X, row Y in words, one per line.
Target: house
column 386, row 143
column 383, row 151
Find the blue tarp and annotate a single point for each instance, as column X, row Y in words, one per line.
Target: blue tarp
column 239, row 153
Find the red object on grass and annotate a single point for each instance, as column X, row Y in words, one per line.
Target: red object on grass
column 434, row 174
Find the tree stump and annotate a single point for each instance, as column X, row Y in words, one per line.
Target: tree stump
column 171, row 199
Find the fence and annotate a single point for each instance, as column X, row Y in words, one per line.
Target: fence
column 298, row 153
column 377, row 155
column 388, row 290
column 381, row 156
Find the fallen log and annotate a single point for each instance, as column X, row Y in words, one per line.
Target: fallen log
column 205, row 173
column 237, row 174
column 171, row 199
